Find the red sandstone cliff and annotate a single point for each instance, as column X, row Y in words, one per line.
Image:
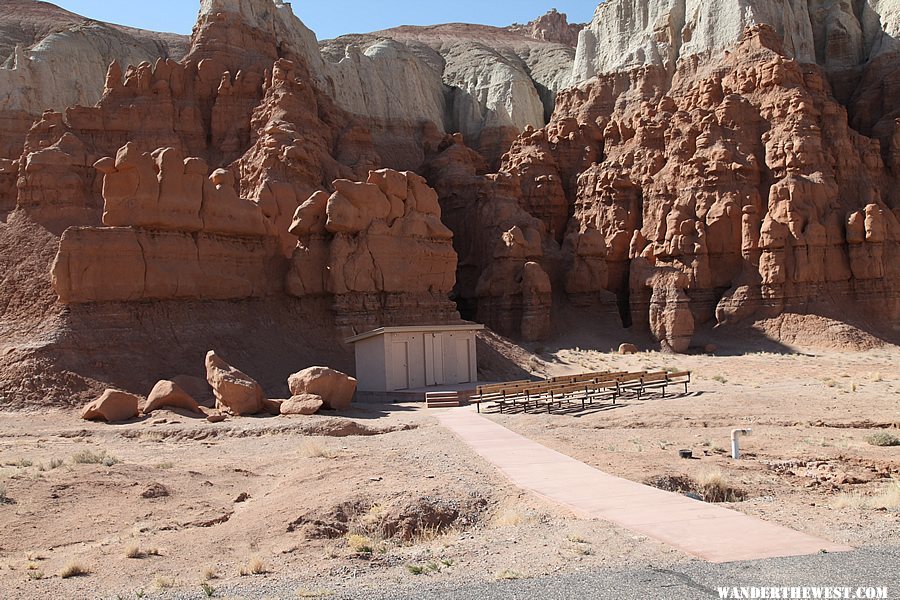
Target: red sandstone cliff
column 233, row 200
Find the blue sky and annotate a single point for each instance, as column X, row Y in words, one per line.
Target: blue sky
column 336, row 17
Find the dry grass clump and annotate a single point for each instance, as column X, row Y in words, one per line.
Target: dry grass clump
column 164, row 583
column 138, row 552
column 4, row 499
column 711, row 486
column 883, row 439
column 209, row 574
column 256, row 566
column 715, row 487
column 89, row 457
column 511, row 517
column 887, row 499
column 429, row 567
column 74, row 569
column 507, row 574
column 360, row 543
column 313, row 448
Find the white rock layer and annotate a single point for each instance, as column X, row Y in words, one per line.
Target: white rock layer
column 625, row 34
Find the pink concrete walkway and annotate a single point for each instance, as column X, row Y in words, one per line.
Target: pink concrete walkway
column 707, row 531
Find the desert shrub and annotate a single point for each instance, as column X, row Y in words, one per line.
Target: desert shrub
column 89, row 457
column 883, row 439
column 360, row 543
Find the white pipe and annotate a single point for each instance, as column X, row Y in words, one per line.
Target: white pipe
column 735, row 444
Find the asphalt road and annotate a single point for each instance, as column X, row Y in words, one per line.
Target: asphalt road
column 869, row 567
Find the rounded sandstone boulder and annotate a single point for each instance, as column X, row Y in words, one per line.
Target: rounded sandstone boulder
column 304, row 404
column 112, row 406
column 168, row 394
column 628, row 349
column 335, row 388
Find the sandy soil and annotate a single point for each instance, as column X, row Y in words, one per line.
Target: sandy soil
column 199, row 502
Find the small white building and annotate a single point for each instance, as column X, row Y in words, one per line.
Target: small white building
column 405, row 358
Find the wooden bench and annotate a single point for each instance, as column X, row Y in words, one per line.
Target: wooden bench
column 586, row 392
column 663, row 380
column 496, row 391
column 584, row 388
column 654, row 381
column 680, row 377
column 578, row 377
column 630, row 382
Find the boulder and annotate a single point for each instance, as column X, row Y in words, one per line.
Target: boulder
column 168, row 394
column 112, row 406
column 628, row 349
column 304, row 404
column 335, row 388
column 234, row 390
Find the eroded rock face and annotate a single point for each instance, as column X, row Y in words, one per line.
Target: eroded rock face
column 379, row 248
column 112, row 406
column 629, row 34
column 173, row 234
column 744, row 179
column 710, row 172
column 514, row 292
column 551, row 27
column 235, row 391
column 500, row 80
column 55, row 59
column 658, row 292
column 334, row 389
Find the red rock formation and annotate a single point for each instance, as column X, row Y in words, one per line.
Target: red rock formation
column 739, row 176
column 173, row 234
column 551, row 27
column 379, row 249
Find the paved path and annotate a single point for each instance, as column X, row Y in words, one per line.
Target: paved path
column 709, row 532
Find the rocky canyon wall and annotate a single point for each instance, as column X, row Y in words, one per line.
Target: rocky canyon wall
column 687, row 169
column 731, row 188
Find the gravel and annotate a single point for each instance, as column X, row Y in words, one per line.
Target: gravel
column 868, row 567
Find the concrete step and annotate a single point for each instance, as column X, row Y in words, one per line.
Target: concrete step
column 442, row 400
column 447, row 404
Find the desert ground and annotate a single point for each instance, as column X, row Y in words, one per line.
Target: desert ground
column 347, row 505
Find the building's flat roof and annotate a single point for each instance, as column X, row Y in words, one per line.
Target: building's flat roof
column 414, row 329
